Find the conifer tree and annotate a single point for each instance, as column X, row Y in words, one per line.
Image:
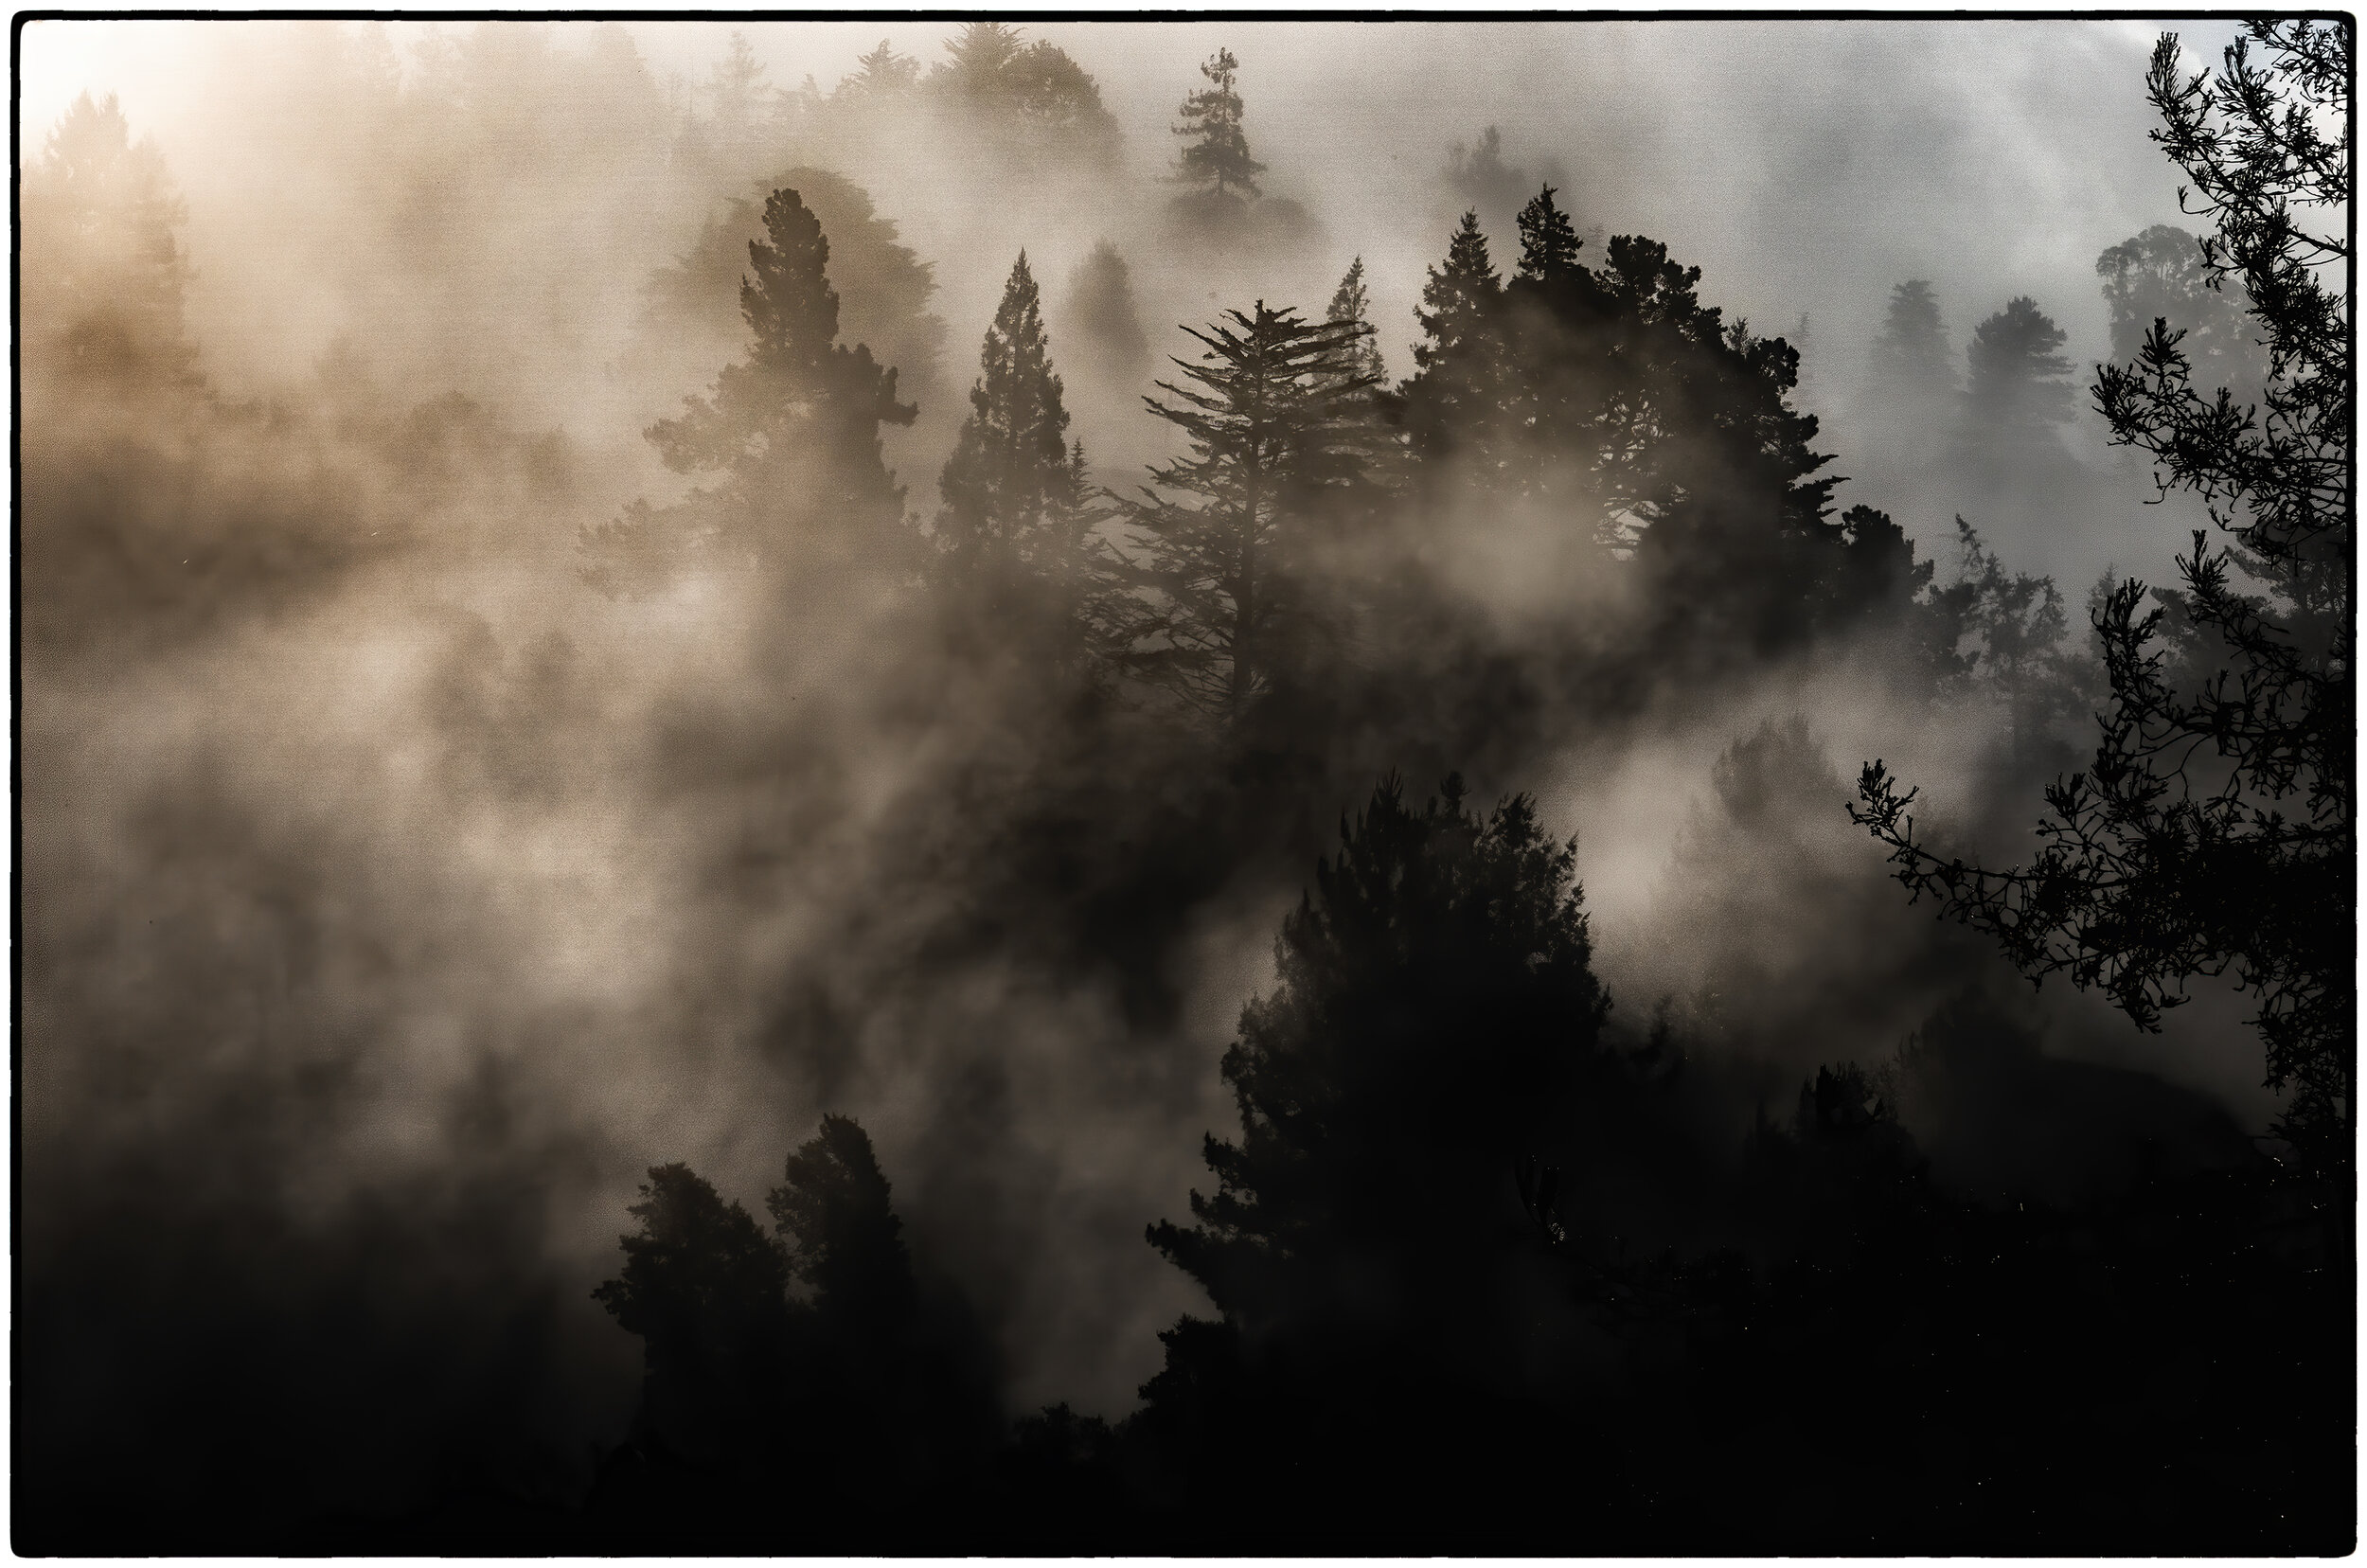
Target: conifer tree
column 1217, row 156
column 1911, row 357
column 792, row 431
column 975, row 59
column 1549, row 242
column 1101, row 304
column 1434, row 1017
column 1031, row 99
column 843, row 1238
column 2212, row 834
column 1453, row 398
column 2019, row 384
column 737, row 88
column 1015, row 525
column 1352, row 302
column 2016, row 625
column 1274, row 426
column 883, row 74
column 707, row 1291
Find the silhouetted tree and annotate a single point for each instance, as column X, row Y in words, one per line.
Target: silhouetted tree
column 1217, row 155
column 1101, row 303
column 845, row 1241
column 1276, row 427
column 691, row 316
column 1911, row 358
column 1433, row 1015
column 2212, row 834
column 1614, row 399
column 707, row 1291
column 1454, row 399
column 1693, row 447
column 1549, row 242
column 1350, row 303
column 2158, row 276
column 792, row 430
column 2017, row 388
column 1015, row 529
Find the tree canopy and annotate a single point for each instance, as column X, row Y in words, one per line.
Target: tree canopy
column 2212, row 833
column 1271, row 415
column 1216, row 154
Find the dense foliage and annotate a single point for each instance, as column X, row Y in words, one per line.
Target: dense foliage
column 1810, row 1240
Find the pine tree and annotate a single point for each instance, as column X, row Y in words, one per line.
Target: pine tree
column 792, row 430
column 2016, row 625
column 1352, row 302
column 1015, row 524
column 1460, row 296
column 884, row 74
column 2213, row 834
column 1217, row 156
column 845, row 1241
column 1278, row 425
column 1032, row 100
column 1453, row 399
column 1434, row 1017
column 2019, row 384
column 1911, row 357
column 1101, row 304
column 1548, row 243
column 707, row 1291
column 976, row 58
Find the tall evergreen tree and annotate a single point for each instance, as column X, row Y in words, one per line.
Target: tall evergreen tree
column 1101, row 304
column 1453, row 402
column 690, row 308
column 2019, row 384
column 792, row 431
column 1015, row 525
column 1459, row 300
column 844, row 1241
column 1352, row 302
column 1276, row 425
column 707, row 1291
column 736, row 88
column 1911, row 358
column 883, row 74
column 1434, row 1016
column 2015, row 625
column 1217, row 155
column 1030, row 100
column 1549, row 242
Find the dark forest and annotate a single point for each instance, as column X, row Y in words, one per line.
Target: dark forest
column 707, row 865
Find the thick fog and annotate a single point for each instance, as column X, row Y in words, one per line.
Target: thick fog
column 393, row 899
